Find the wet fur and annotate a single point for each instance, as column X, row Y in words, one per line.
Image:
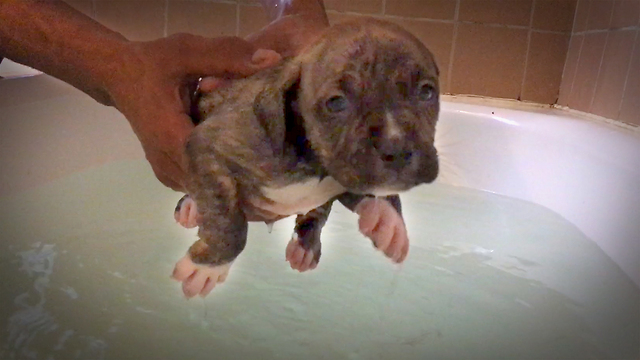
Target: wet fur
column 271, row 130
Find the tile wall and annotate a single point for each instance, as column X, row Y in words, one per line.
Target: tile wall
column 518, row 49
column 602, row 71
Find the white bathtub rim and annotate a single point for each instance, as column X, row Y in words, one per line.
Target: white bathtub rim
column 538, row 108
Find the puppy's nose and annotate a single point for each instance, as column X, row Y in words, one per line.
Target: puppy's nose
column 393, row 152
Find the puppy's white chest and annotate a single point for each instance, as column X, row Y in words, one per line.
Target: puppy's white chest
column 300, row 198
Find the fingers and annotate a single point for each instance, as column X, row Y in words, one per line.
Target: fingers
column 222, row 56
column 210, row 83
column 159, row 115
column 289, row 35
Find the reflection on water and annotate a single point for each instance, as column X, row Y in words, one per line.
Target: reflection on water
column 85, row 263
column 31, row 322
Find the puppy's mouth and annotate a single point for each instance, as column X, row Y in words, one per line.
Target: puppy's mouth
column 367, row 173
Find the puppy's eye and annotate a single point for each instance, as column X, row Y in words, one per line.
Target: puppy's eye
column 337, row 104
column 427, row 92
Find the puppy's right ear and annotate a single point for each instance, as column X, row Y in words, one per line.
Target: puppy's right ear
column 271, row 104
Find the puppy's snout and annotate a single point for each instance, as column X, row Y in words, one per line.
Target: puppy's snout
column 392, row 150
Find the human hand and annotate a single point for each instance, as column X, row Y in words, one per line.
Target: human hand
column 287, row 36
column 152, row 89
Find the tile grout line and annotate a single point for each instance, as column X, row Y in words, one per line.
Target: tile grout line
column 595, row 85
column 626, row 79
column 604, row 51
column 573, row 83
column 632, row 27
column 443, row 21
column 456, row 16
column 526, row 56
column 566, row 57
column 384, row 7
column 93, row 9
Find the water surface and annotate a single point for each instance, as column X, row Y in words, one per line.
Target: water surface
column 85, row 264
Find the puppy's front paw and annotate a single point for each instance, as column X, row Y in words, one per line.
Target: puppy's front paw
column 380, row 222
column 199, row 279
column 186, row 212
column 299, row 258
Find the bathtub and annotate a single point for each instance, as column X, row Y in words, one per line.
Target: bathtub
column 88, row 243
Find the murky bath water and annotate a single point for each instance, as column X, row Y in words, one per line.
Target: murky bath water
column 85, row 264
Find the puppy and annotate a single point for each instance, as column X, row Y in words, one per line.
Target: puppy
column 352, row 118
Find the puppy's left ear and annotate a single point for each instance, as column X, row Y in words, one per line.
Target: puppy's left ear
column 271, row 104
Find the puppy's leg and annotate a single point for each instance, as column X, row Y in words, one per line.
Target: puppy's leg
column 381, row 221
column 303, row 251
column 222, row 229
column 186, row 212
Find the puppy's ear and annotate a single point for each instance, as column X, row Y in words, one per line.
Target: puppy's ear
column 271, row 104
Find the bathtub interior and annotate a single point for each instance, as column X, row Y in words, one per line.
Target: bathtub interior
column 10, row 69
column 87, row 252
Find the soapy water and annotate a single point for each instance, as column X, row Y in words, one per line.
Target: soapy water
column 85, row 263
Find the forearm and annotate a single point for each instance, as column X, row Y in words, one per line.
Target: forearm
column 58, row 40
column 312, row 8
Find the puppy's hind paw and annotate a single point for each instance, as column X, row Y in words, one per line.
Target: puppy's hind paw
column 299, row 258
column 186, row 212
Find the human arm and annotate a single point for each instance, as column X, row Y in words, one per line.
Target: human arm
column 146, row 81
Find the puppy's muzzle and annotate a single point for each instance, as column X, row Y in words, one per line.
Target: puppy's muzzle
column 393, row 152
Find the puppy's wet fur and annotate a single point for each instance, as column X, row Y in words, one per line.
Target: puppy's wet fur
column 352, row 116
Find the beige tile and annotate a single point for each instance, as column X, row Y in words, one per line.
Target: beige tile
column 555, row 15
column 582, row 16
column 587, row 71
column 359, row 6
column 507, row 12
column 137, row 20
column 600, row 14
column 613, row 74
column 489, row 61
column 547, row 53
column 630, row 110
column 84, row 6
column 252, row 19
column 571, row 64
column 209, row 19
column 625, row 13
column 428, row 9
column 438, row 37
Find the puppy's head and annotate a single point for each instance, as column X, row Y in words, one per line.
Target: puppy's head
column 369, row 95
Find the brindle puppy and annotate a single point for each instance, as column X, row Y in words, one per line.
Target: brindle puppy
column 351, row 117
